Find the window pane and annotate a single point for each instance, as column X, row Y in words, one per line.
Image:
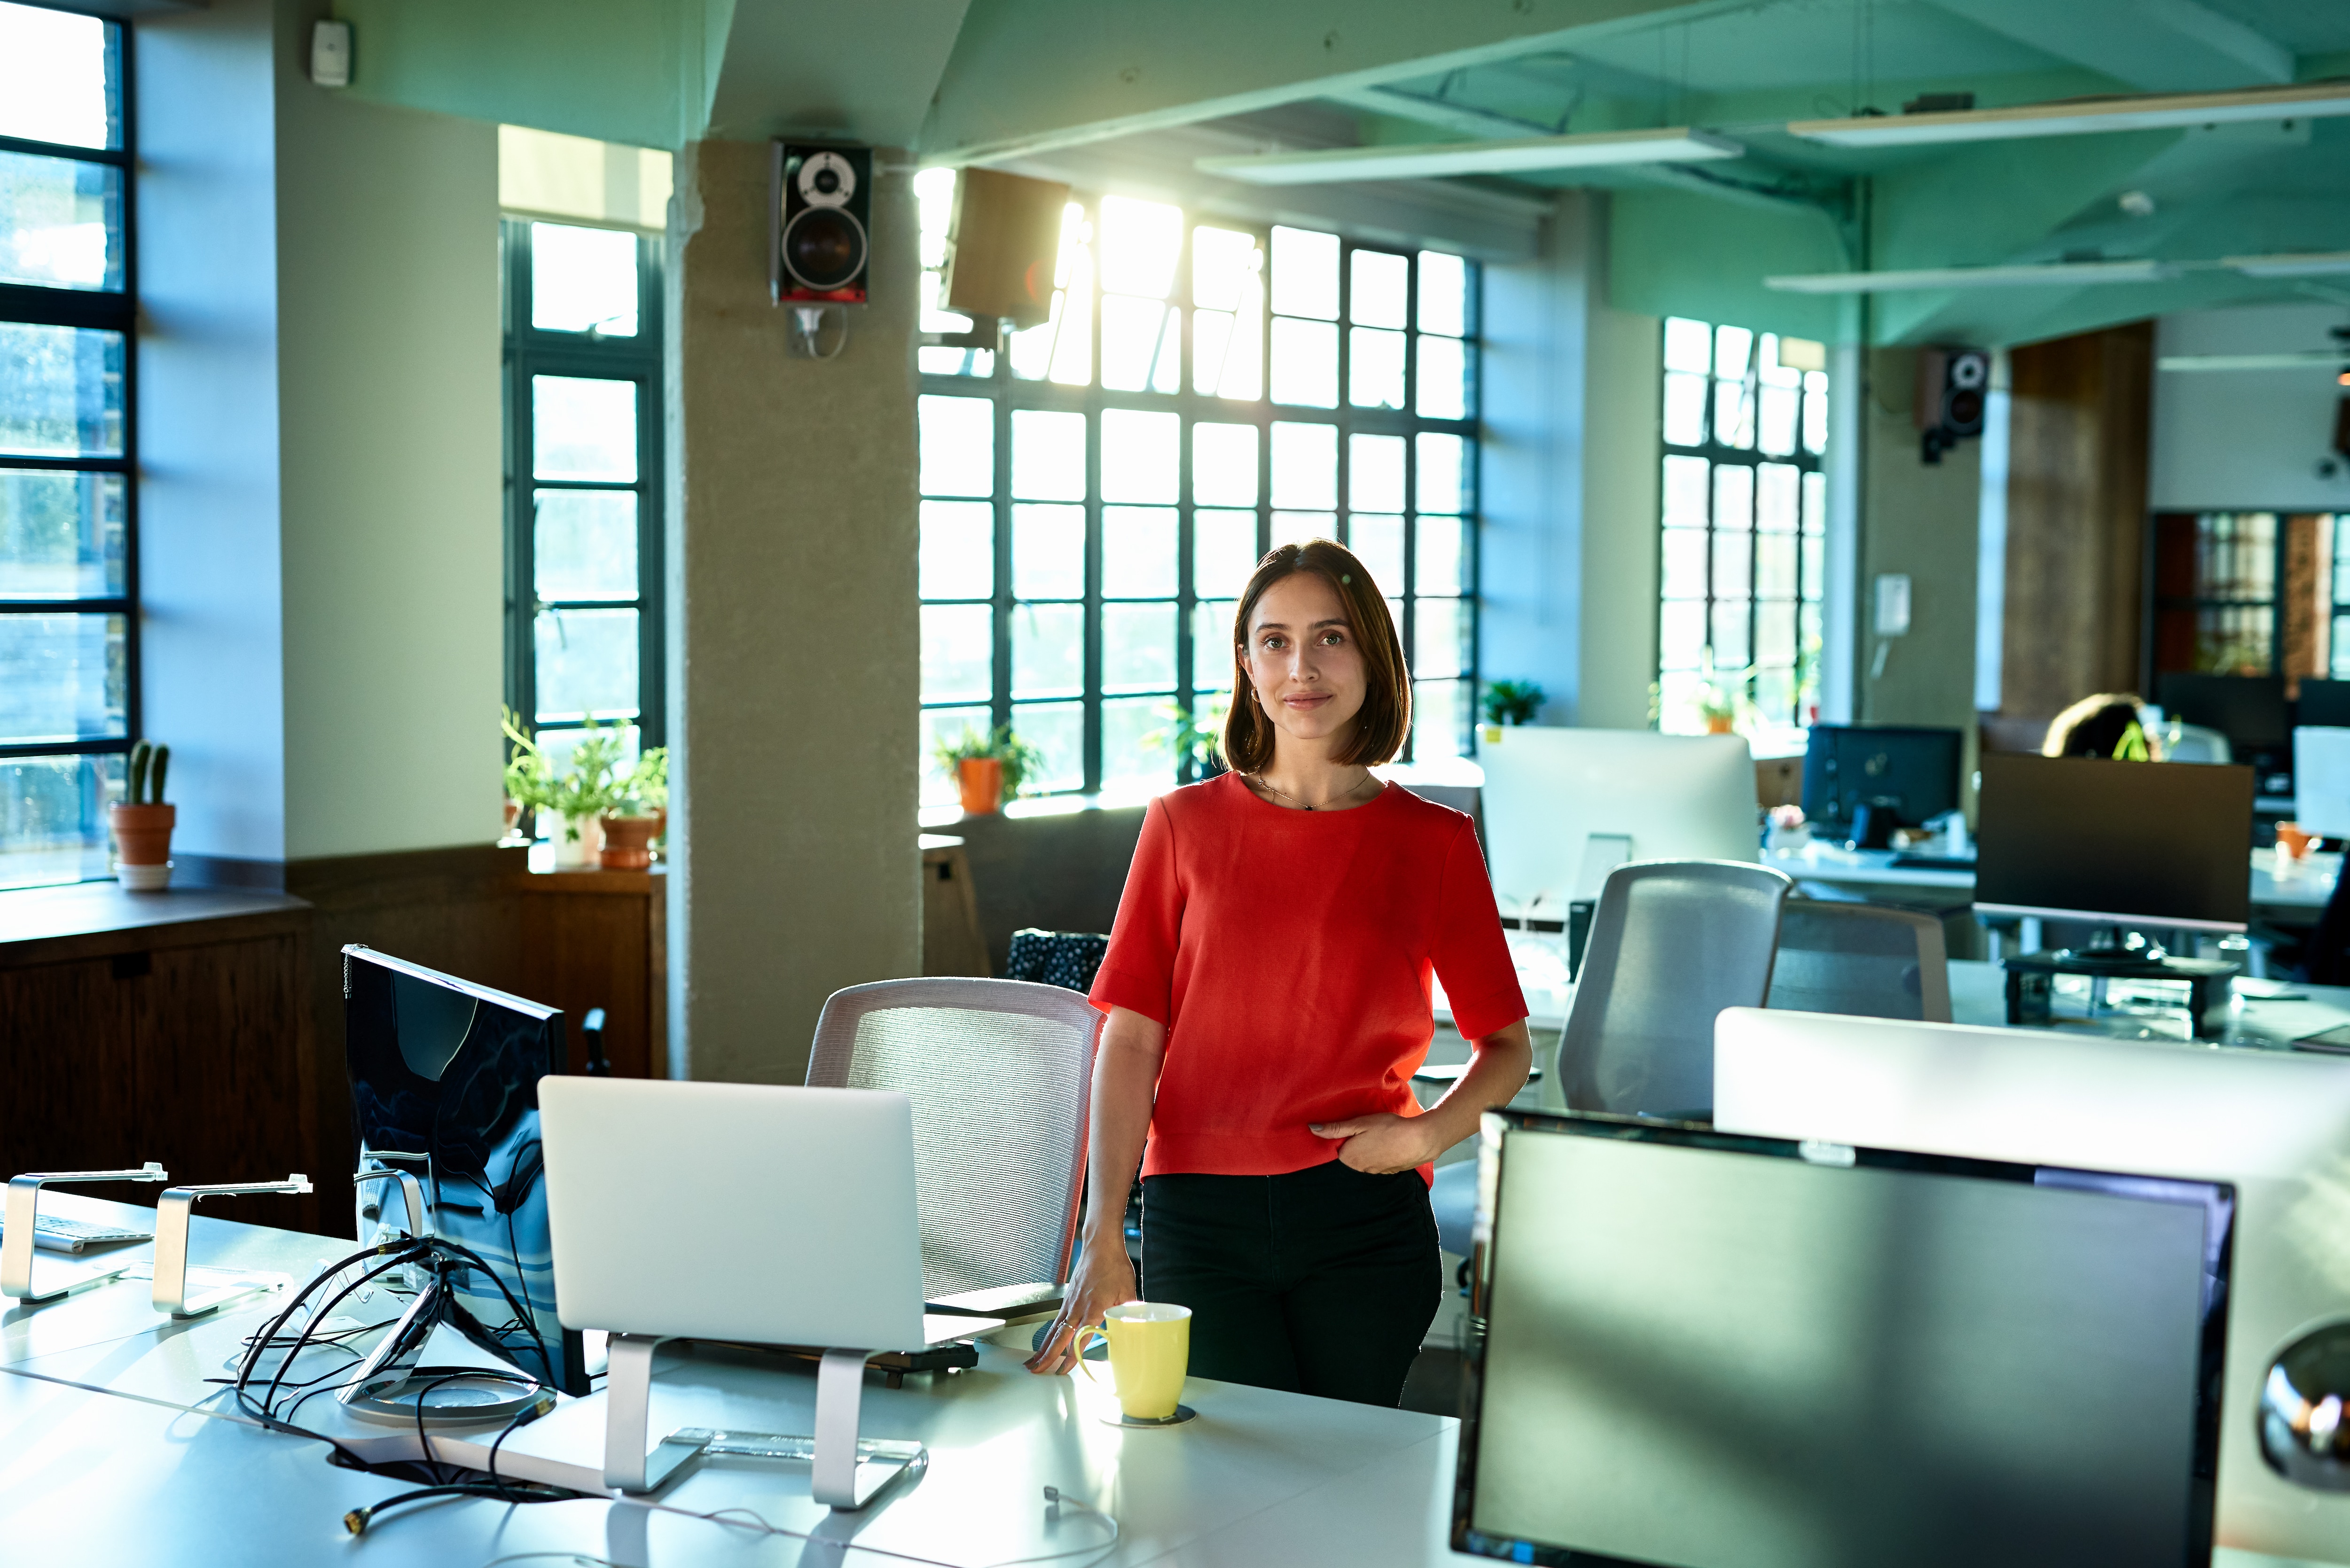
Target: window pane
column 958, row 653
column 1440, row 558
column 62, row 678
column 976, row 362
column 958, row 551
column 1444, row 379
column 1377, row 543
column 1443, row 487
column 1057, row 730
column 1295, row 528
column 1380, row 281
column 1774, row 693
column 1223, row 552
column 1776, row 497
column 1048, row 651
column 1774, row 568
column 584, row 544
column 1141, row 457
column 60, row 222
column 1815, row 504
column 1444, row 294
column 1440, row 718
column 957, row 441
column 1133, row 755
column 1213, row 646
column 1139, row 243
column 586, row 664
column 1733, row 413
column 1688, row 345
column 1774, row 633
column 582, row 428
column 1680, row 634
column 1684, row 563
column 1304, row 465
column 1774, row 428
column 60, row 536
column 1138, row 551
column 1138, row 352
column 60, row 390
column 1440, row 637
column 53, row 78
column 1731, row 347
column 1815, row 412
column 1733, row 497
column 52, row 815
column 1304, row 274
column 1730, row 635
column 1375, row 472
column 1685, row 409
column 1227, row 265
column 1304, row 363
column 944, row 725
column 1733, row 564
column 1816, row 564
column 583, row 280
column 1138, row 647
column 1223, row 465
column 1048, row 455
column 1375, row 368
column 1688, row 482
column 1048, row 552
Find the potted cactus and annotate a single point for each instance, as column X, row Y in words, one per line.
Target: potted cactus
column 142, row 822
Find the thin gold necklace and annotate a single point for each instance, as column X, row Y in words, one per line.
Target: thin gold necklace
column 1369, row 777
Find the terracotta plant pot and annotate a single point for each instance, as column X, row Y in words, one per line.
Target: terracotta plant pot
column 142, row 845
column 627, row 843
column 1719, row 723
column 981, row 779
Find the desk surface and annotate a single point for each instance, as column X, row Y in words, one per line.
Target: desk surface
column 2301, row 885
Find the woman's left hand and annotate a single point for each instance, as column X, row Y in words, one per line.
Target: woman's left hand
column 1382, row 1142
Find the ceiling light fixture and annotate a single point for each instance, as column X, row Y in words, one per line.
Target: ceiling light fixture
column 1672, row 144
column 2303, row 359
column 2149, row 111
column 2315, row 264
column 2050, row 274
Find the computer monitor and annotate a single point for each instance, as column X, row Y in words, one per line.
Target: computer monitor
column 2129, row 844
column 2322, row 703
column 1564, row 807
column 2250, row 709
column 2277, row 1124
column 1908, row 775
column 447, row 1070
column 2321, row 778
column 1710, row 1351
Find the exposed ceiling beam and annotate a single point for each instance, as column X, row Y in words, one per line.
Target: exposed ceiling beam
column 794, row 65
column 1670, row 144
column 2042, row 275
column 1142, row 65
column 2159, row 46
column 2080, row 117
column 1443, row 113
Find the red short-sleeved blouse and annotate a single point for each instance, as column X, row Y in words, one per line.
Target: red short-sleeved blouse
column 1288, row 953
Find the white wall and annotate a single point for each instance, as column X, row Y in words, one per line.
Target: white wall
column 2247, row 439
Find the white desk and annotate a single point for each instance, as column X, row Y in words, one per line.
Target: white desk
column 2292, row 899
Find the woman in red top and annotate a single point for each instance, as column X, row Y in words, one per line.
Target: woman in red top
column 1267, row 988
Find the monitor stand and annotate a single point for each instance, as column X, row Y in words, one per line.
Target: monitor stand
column 388, row 1384
column 2032, row 979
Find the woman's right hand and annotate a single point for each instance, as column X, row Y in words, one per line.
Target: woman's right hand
column 1104, row 1278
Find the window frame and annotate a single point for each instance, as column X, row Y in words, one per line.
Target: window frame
column 116, row 311
column 530, row 351
column 1009, row 395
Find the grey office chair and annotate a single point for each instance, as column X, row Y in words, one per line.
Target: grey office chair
column 1672, row 943
column 1860, row 959
column 1001, row 1073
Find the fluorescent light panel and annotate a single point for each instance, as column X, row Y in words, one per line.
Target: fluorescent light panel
column 2060, row 274
column 2153, row 111
column 1673, row 144
column 2306, row 359
column 2320, row 263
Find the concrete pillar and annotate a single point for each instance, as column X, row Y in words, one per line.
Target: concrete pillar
column 794, row 645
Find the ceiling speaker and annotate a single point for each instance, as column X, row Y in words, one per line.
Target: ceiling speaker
column 1953, row 391
column 1004, row 242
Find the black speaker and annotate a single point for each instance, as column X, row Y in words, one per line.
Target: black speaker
column 1953, row 385
column 820, row 207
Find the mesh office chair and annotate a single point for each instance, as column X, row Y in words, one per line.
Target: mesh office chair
column 1860, row 959
column 1000, row 1073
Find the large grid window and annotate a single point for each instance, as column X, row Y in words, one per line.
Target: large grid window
column 583, row 350
column 1743, row 565
column 69, row 507
column 2252, row 593
column 1095, row 498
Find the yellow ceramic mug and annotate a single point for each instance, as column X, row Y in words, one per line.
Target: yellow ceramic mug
column 1149, row 1349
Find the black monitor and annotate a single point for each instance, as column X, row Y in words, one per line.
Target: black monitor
column 1905, row 776
column 2250, row 709
column 2323, row 704
column 448, row 1071
column 1715, row 1350
column 2131, row 844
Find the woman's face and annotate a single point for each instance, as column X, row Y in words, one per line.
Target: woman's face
column 1303, row 659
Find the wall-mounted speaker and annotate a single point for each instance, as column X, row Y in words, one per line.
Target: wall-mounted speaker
column 1004, row 242
column 1953, row 390
column 820, row 207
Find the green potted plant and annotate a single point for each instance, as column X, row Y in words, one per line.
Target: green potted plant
column 638, row 816
column 577, row 796
column 989, row 768
column 142, row 824
column 1511, row 703
column 1195, row 735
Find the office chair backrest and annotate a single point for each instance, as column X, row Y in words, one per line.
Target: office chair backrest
column 1000, row 1073
column 1672, row 943
column 2194, row 743
column 1860, row 959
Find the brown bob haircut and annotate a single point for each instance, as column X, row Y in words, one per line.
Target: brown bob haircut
column 1386, row 718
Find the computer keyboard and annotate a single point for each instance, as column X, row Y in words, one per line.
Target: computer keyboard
column 54, row 1234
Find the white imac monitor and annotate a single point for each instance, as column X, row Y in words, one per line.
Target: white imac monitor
column 1564, row 807
column 2275, row 1123
column 2320, row 780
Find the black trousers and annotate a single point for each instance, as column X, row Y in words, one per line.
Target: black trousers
column 1320, row 1280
